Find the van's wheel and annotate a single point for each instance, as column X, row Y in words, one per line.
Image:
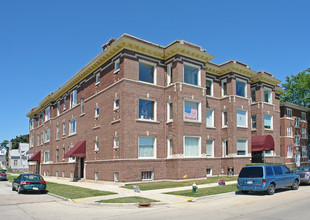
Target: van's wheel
column 271, row 189
column 244, row 192
column 295, row 185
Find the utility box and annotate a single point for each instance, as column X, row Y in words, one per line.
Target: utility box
column 230, row 171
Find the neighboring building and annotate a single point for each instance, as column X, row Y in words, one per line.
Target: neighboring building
column 140, row 111
column 3, row 162
column 294, row 134
column 19, row 157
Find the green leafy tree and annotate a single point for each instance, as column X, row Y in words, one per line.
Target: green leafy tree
column 19, row 139
column 297, row 89
column 4, row 143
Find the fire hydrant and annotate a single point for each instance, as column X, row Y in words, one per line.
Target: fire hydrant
column 194, row 188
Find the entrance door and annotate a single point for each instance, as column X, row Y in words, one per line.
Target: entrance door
column 38, row 167
column 258, row 157
column 82, row 167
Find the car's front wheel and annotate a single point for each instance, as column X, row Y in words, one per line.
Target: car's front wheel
column 271, row 189
column 295, row 185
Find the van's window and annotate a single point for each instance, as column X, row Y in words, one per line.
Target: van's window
column 251, row 172
column 269, row 171
column 277, row 170
column 285, row 169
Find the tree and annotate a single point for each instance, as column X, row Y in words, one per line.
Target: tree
column 297, row 89
column 19, row 139
column 4, row 143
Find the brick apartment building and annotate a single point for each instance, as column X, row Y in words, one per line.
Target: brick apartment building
column 141, row 111
column 294, row 134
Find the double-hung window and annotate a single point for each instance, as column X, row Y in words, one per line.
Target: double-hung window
column 253, row 94
column 303, row 116
column 304, row 133
column 31, row 141
column 117, row 65
column 303, row 151
column 253, row 121
column 210, row 148
column 169, row 74
column 47, row 135
column 241, row 87
column 192, row 110
column 289, row 113
column 116, row 142
column 73, row 99
column 289, row 151
column 268, row 122
column 57, row 132
column 224, row 87
column 297, row 141
column 97, row 78
column 47, row 113
column 116, row 103
column 97, row 112
column 296, row 122
column 57, row 156
column 147, row 72
column 58, row 108
column 289, row 131
column 147, row 109
column 169, row 111
column 210, row 118
column 65, row 102
column 242, row 147
column 63, row 128
column 71, row 159
column 72, row 126
column 170, row 146
column 31, row 124
column 242, row 118
column 38, row 139
column 224, row 119
column 96, row 145
column 147, row 147
column 267, row 95
column 192, row 146
column 46, row 156
column 82, row 105
column 209, row 87
column 192, row 74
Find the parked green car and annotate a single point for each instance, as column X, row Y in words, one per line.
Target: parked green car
column 29, row 182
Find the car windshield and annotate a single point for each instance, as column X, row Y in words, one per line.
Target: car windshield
column 32, row 177
column 251, row 172
column 305, row 169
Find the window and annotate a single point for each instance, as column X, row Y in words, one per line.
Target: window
column 97, row 78
column 296, row 122
column 73, row 99
column 210, row 118
column 289, row 113
column 39, row 120
column 96, row 145
column 63, row 128
column 303, row 116
column 82, row 105
column 242, row 147
column 169, row 74
column 169, row 111
column 289, row 152
column 225, row 148
column 278, row 170
column 268, row 152
column 297, row 141
column 65, row 102
column 72, row 127
column 303, row 133
column 116, row 103
column 147, row 147
column 253, row 94
column 57, row 155
column 38, row 140
column 43, row 117
column 170, row 146
column 15, row 162
column 31, row 141
column 268, row 121
column 269, row 171
column 96, row 176
column 241, row 88
column 71, row 159
column 209, row 87
column 147, row 72
column 192, row 146
column 303, row 151
column 116, row 177
column 42, row 138
column 147, row 109
column 191, row 74
column 46, row 156
column 267, row 95
column 210, row 148
column 63, row 153
column 253, row 121
column 97, row 112
column 47, row 113
column 209, row 171
column 289, row 131
column 224, row 87
column 147, row 175
column 63, row 173
column 31, row 126
column 57, row 174
column 116, row 65
column 242, row 118
column 57, row 132
column 116, row 142
column 47, row 135
column 58, row 108
column 224, row 119
column 191, row 111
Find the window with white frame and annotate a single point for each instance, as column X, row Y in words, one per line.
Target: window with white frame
column 147, row 175
column 253, row 94
column 47, row 135
column 65, row 102
column 267, row 95
column 225, row 147
column 224, row 87
column 147, row 72
column 192, row 110
column 31, row 141
column 73, row 99
column 96, row 176
column 64, row 128
column 210, row 118
column 289, row 113
column 47, row 113
column 224, row 119
column 97, row 78
column 170, row 146
column 96, row 145
column 209, row 171
column 97, row 112
column 297, row 141
column 42, row 138
column 253, row 121
column 63, row 153
column 57, row 132
column 241, row 87
column 242, row 147
column 116, row 142
column 58, row 108
column 57, row 155
column 303, row 116
column 242, row 118
column 116, row 103
column 31, row 126
column 63, row 173
column 192, row 146
column 147, row 109
column 289, row 151
column 116, row 65
column 289, row 131
column 304, row 151
column 191, row 74
column 71, row 159
column 147, row 147
column 169, row 74
column 268, row 152
column 72, row 126
column 268, row 123
column 39, row 120
column 169, row 111
column 46, row 156
column 296, row 122
column 38, row 140
column 209, row 87
column 304, row 133
column 82, row 105
column 43, row 117
column 210, row 148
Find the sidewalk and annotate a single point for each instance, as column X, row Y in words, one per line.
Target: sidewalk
column 122, row 192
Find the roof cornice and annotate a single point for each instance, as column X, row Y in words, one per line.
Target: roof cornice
column 292, row 105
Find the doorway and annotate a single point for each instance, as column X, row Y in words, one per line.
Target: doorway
column 82, row 161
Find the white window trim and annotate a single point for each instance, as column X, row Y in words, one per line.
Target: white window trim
column 247, row 147
column 169, row 147
column 96, row 112
column 31, row 141
column 246, row 118
column 287, row 133
column 70, row 126
column 199, row 73
column 270, row 98
column 63, row 128
column 295, row 139
column 45, row 159
column 302, row 136
column 288, row 109
column 115, row 62
column 57, row 132
column 212, row 94
column 212, row 148
column 169, row 118
column 212, row 126
column 303, row 113
column 82, row 105
column 222, row 87
column 224, row 126
column 155, row 70
column 114, row 104
column 65, row 102
column 169, row 74
column 73, row 98
column 297, row 119
column 269, row 155
column 199, row 110
column 252, row 122
column 224, row 153
column 304, row 156
column 58, row 108
column 155, row 110
column 47, row 113
column 96, row 145
column 210, row 171
column 245, row 88
column 271, row 123
column 289, row 156
column 97, row 75
column 199, row 146
column 253, row 89
column 154, row 148
column 114, row 142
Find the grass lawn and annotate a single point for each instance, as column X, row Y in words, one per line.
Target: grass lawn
column 206, row 191
column 167, row 184
column 130, row 199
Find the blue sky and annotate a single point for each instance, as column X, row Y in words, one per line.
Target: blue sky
column 44, row 43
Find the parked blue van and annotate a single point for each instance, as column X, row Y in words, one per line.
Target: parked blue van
column 267, row 178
